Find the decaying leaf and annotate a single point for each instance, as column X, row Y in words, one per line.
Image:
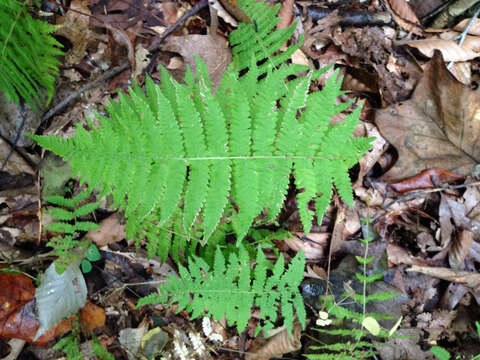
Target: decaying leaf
column 111, row 231
column 438, row 127
column 18, row 318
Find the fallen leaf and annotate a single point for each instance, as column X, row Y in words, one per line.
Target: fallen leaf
column 279, row 344
column 18, row 317
column 111, row 231
column 313, row 244
column 404, row 16
column 216, row 54
column 460, row 249
column 437, row 127
column 450, row 49
column 474, row 29
column 92, row 316
column 426, row 179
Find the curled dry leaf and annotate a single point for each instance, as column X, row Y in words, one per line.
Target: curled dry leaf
column 426, row 179
column 404, row 16
column 460, row 249
column 450, row 49
column 474, row 29
column 313, row 244
column 277, row 345
column 438, row 127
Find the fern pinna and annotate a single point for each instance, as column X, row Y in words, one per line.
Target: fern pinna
column 219, row 154
column 230, row 289
column 28, row 55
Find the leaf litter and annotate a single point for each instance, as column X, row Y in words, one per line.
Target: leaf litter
column 418, row 185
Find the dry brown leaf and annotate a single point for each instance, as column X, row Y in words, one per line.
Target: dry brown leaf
column 75, row 26
column 427, row 179
column 450, row 49
column 111, row 231
column 285, row 14
column 460, row 249
column 474, row 29
column 277, row 345
column 315, row 272
column 438, row 127
column 404, row 16
column 313, row 244
column 214, row 53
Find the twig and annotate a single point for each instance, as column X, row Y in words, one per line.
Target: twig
column 156, row 43
column 464, row 34
column 64, row 103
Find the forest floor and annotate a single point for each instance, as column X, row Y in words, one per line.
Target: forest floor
column 417, row 195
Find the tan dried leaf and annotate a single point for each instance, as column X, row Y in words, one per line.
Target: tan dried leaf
column 214, row 53
column 474, row 29
column 112, row 231
column 277, row 345
column 450, row 49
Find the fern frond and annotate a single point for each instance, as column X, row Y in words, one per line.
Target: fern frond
column 27, row 55
column 181, row 146
column 228, row 290
column 69, row 225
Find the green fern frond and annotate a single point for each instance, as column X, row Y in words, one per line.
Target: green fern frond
column 69, row 225
column 228, row 289
column 27, row 55
column 223, row 158
column 181, row 146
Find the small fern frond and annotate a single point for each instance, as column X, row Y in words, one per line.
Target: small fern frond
column 69, row 225
column 27, row 55
column 228, row 290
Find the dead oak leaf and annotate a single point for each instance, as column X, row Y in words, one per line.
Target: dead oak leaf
column 438, row 127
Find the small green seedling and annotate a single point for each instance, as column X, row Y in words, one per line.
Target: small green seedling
column 92, row 255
